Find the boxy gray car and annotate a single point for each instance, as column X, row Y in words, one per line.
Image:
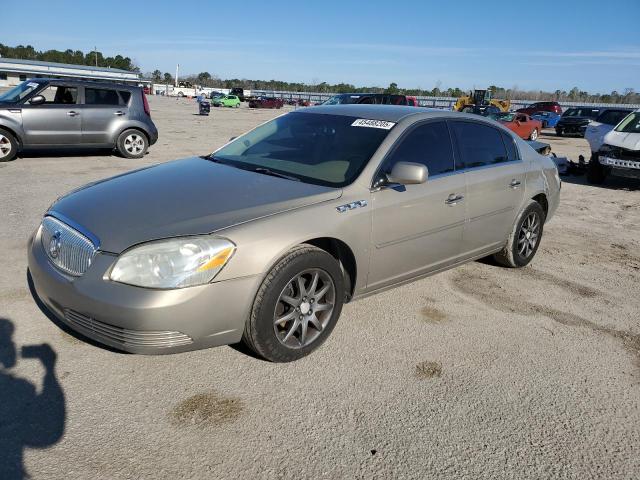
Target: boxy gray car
column 264, row 240
column 46, row 113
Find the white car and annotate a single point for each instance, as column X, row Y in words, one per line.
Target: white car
column 603, row 124
column 620, row 153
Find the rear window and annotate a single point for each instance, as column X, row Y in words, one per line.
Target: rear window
column 100, row 96
column 480, row 145
column 612, row 117
column 582, row 112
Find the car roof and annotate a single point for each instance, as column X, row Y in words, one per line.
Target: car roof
column 84, row 83
column 387, row 113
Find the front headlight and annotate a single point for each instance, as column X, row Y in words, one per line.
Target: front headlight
column 174, row 263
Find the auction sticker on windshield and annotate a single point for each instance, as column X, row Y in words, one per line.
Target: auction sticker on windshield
column 364, row 122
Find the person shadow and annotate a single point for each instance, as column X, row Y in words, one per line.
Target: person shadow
column 28, row 419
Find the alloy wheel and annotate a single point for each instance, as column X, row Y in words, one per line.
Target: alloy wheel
column 304, row 308
column 134, row 144
column 528, row 235
column 5, row 146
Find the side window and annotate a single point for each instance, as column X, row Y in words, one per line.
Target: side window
column 99, row 96
column 479, row 144
column 512, row 151
column 429, row 144
column 125, row 96
column 59, row 95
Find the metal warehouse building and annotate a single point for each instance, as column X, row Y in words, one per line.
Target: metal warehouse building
column 14, row 71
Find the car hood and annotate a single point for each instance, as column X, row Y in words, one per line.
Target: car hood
column 184, row 197
column 575, row 120
column 628, row 140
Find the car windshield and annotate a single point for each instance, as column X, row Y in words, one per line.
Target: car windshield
column 19, row 92
column 329, row 150
column 630, row 124
column 506, row 116
column 582, row 112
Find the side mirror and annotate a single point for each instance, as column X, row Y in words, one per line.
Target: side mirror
column 407, row 173
column 37, row 100
column 232, row 139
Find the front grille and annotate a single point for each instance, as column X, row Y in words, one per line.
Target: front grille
column 67, row 249
column 621, row 153
column 125, row 337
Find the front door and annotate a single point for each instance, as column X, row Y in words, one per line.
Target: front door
column 56, row 122
column 103, row 111
column 418, row 228
column 495, row 184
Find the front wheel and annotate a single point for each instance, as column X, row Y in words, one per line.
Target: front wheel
column 8, row 146
column 534, row 134
column 524, row 240
column 132, row 144
column 559, row 132
column 297, row 305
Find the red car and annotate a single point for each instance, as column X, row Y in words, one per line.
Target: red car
column 541, row 107
column 521, row 124
column 266, row 102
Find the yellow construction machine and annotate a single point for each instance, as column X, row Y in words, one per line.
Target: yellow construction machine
column 481, row 98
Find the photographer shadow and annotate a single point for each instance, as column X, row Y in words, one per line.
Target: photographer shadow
column 28, row 419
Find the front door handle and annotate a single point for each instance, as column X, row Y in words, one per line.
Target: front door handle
column 453, row 199
column 515, row 184
column 119, row 113
column 72, row 113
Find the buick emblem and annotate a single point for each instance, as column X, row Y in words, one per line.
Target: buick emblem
column 55, row 245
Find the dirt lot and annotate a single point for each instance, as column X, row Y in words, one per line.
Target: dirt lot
column 479, row 372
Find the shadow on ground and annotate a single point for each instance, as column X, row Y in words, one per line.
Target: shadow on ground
column 28, row 419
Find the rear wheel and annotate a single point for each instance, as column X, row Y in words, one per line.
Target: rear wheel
column 297, row 305
column 132, row 144
column 524, row 240
column 8, row 146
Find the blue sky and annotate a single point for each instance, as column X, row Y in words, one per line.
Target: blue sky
column 545, row 45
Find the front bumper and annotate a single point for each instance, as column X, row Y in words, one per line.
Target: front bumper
column 621, row 167
column 140, row 320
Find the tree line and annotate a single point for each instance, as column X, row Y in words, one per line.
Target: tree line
column 206, row 79
column 76, row 57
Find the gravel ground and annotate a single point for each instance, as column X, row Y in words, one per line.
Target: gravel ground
column 478, row 372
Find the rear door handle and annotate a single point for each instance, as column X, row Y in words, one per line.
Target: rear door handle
column 515, row 184
column 72, row 113
column 453, row 199
column 119, row 113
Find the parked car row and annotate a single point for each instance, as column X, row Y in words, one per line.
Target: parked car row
column 266, row 102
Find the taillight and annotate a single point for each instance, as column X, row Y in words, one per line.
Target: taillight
column 145, row 103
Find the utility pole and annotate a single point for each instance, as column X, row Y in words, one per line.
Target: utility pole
column 95, row 49
column 177, row 68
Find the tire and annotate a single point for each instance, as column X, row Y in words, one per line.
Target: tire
column 180, row 94
column 132, row 143
column 520, row 248
column 559, row 132
column 8, row 146
column 544, row 124
column 596, row 173
column 534, row 134
column 287, row 339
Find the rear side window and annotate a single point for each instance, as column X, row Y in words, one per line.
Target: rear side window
column 125, row 96
column 480, row 145
column 612, row 117
column 99, row 96
column 428, row 144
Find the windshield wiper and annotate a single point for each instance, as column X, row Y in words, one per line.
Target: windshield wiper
column 266, row 171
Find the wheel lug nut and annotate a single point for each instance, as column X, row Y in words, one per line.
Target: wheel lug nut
column 300, row 317
column 313, row 300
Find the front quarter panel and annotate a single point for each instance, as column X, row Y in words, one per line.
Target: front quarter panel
column 11, row 118
column 261, row 243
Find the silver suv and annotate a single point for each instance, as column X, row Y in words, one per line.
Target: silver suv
column 47, row 113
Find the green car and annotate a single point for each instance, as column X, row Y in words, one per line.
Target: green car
column 226, row 101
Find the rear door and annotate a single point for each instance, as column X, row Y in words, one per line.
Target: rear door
column 103, row 111
column 494, row 176
column 57, row 122
column 418, row 228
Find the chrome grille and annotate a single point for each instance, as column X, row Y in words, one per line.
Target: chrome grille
column 125, row 337
column 67, row 249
